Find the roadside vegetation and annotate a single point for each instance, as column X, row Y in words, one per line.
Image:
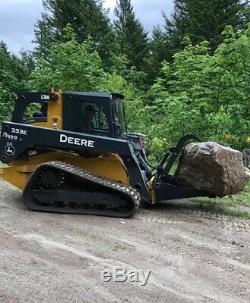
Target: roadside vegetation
column 236, row 206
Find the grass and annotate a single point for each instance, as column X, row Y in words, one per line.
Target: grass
column 237, row 205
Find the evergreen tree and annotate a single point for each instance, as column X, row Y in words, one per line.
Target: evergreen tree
column 132, row 38
column 203, row 20
column 14, row 73
column 158, row 53
column 87, row 18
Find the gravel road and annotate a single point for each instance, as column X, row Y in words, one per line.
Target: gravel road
column 193, row 256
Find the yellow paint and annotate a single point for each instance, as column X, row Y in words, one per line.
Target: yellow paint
column 111, row 167
column 14, row 177
column 151, row 190
column 54, row 113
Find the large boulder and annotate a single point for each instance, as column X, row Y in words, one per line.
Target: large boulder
column 212, row 168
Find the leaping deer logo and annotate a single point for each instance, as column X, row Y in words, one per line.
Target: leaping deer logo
column 10, row 149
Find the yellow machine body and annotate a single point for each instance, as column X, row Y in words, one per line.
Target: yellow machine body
column 111, row 167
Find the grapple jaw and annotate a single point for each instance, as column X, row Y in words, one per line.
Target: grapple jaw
column 164, row 184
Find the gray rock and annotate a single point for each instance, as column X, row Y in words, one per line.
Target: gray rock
column 213, row 168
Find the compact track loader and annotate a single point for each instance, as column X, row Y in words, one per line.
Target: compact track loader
column 69, row 152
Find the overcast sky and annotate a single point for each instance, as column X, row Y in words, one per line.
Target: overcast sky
column 17, row 18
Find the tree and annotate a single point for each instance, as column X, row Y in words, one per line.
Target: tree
column 69, row 65
column 14, row 73
column 203, row 20
column 87, row 18
column 204, row 94
column 158, row 53
column 131, row 36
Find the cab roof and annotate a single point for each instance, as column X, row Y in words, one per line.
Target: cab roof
column 95, row 94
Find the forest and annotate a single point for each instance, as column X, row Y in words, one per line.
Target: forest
column 191, row 75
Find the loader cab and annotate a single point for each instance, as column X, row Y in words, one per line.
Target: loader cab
column 92, row 113
column 95, row 113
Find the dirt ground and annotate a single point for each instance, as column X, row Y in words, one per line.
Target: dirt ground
column 193, row 256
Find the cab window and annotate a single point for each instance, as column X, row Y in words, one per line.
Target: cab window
column 119, row 117
column 94, row 117
column 35, row 112
column 81, row 115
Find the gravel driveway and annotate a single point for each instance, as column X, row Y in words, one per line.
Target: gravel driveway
column 193, row 256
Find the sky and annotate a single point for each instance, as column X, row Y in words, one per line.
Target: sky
column 18, row 17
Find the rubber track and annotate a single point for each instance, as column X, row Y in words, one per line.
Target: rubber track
column 128, row 191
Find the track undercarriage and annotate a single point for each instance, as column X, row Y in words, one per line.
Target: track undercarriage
column 63, row 188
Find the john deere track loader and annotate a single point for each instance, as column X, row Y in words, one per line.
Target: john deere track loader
column 70, row 153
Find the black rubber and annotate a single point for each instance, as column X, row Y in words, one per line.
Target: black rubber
column 76, row 191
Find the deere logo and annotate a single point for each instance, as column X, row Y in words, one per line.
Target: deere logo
column 76, row 141
column 10, row 149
